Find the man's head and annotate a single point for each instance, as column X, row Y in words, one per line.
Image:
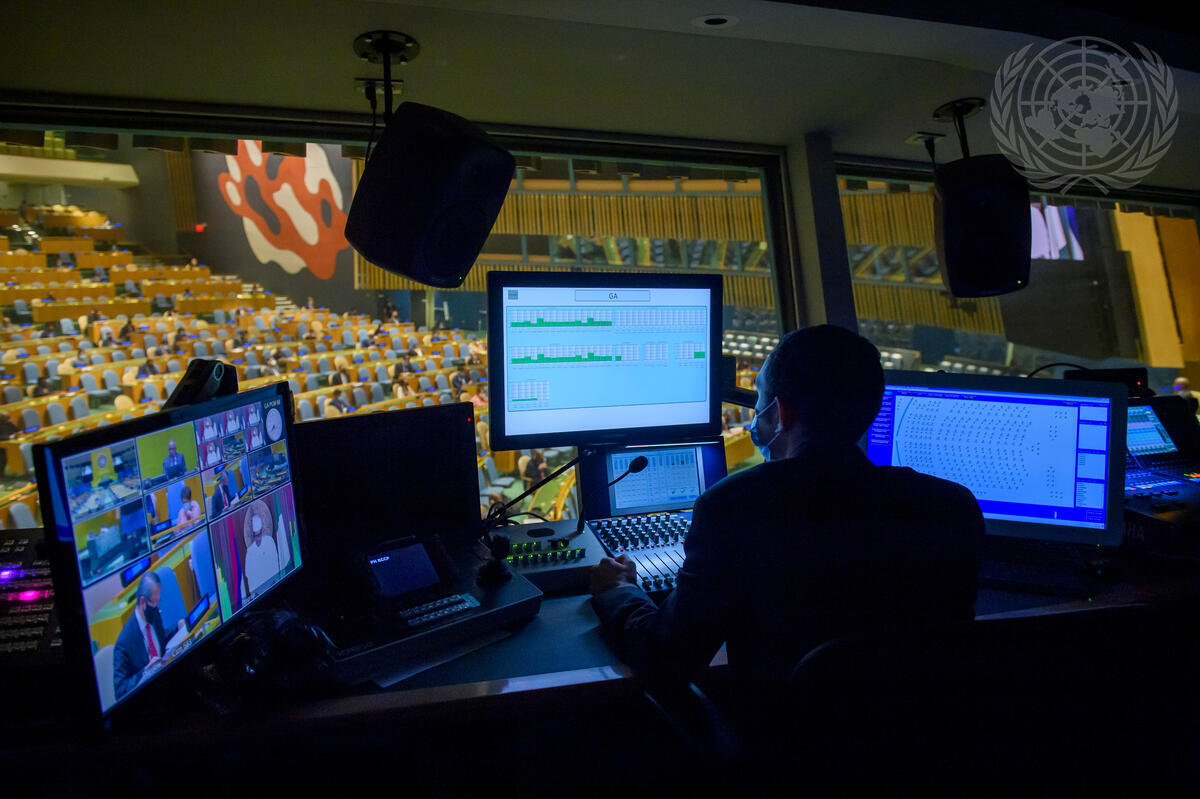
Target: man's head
column 1182, row 384
column 149, row 592
column 821, row 385
column 171, row 448
column 185, row 494
column 256, row 528
column 224, row 479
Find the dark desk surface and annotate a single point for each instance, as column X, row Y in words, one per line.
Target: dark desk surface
column 561, row 648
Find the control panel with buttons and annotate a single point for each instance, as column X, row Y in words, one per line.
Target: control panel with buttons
column 654, row 541
column 28, row 623
column 551, row 556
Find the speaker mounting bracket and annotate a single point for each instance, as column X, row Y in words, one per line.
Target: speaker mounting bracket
column 387, row 48
column 957, row 111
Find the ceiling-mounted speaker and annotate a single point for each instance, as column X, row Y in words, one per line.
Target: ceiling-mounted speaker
column 296, row 149
column 169, row 144
column 87, row 140
column 982, row 226
column 23, row 137
column 528, row 163
column 428, row 196
column 217, row 146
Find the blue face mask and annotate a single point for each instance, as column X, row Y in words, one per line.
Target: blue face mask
column 755, row 436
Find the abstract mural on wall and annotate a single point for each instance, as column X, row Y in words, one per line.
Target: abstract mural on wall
column 294, row 218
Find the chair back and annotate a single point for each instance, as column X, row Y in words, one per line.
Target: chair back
column 1017, row 690
column 55, row 413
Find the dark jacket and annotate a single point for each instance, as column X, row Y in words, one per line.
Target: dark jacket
column 792, row 553
column 130, row 655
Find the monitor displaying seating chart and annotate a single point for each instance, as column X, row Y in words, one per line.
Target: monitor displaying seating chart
column 163, row 529
column 1045, row 459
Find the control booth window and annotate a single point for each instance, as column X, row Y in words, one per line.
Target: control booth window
column 567, row 213
column 133, row 253
column 1112, row 284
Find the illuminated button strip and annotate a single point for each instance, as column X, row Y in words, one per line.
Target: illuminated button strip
column 550, row 552
column 439, row 609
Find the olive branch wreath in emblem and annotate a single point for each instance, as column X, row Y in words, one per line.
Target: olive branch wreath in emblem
column 1005, row 118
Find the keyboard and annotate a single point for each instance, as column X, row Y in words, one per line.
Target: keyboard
column 653, row 541
column 28, row 623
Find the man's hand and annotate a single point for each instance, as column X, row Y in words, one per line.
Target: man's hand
column 180, row 626
column 609, row 573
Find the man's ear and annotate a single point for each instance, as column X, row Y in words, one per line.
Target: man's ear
column 787, row 419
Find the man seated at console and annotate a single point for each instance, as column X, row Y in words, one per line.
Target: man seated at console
column 141, row 644
column 813, row 544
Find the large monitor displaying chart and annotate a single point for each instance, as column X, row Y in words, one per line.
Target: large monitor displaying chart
column 601, row 358
column 1045, row 459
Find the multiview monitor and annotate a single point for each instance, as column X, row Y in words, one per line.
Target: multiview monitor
column 1045, row 459
column 603, row 358
column 165, row 528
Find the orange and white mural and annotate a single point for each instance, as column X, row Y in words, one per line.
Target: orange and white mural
column 296, row 217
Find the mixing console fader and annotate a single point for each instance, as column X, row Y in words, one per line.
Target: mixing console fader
column 653, row 541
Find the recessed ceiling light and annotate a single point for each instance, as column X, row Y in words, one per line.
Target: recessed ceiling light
column 715, row 21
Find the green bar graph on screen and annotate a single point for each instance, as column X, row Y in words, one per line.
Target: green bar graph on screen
column 589, row 358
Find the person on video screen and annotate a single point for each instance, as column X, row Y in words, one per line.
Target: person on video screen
column 262, row 555
column 173, row 465
column 140, row 646
column 189, row 509
column 224, row 495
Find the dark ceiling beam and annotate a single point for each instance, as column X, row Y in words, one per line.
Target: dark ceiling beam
column 1170, row 29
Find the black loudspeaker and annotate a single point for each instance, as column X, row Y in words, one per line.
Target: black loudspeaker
column 982, row 225
column 428, row 196
column 203, row 380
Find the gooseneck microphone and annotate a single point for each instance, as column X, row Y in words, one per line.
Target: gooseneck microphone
column 635, row 466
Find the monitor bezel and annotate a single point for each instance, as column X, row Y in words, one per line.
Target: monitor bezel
column 498, row 281
column 64, row 568
column 1113, row 531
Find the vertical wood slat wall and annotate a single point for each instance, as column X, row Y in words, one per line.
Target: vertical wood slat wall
column 906, row 219
column 732, row 218
column 181, row 189
column 739, row 289
column 729, row 218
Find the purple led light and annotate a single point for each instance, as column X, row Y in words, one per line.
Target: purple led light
column 7, row 574
column 29, row 596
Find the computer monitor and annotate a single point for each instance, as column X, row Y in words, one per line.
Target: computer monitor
column 603, row 358
column 673, row 479
column 163, row 529
column 1145, row 433
column 1045, row 459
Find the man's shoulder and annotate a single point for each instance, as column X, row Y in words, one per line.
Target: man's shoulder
column 908, row 481
column 737, row 487
column 129, row 631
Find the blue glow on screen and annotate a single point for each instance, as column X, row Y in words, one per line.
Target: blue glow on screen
column 1025, row 457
